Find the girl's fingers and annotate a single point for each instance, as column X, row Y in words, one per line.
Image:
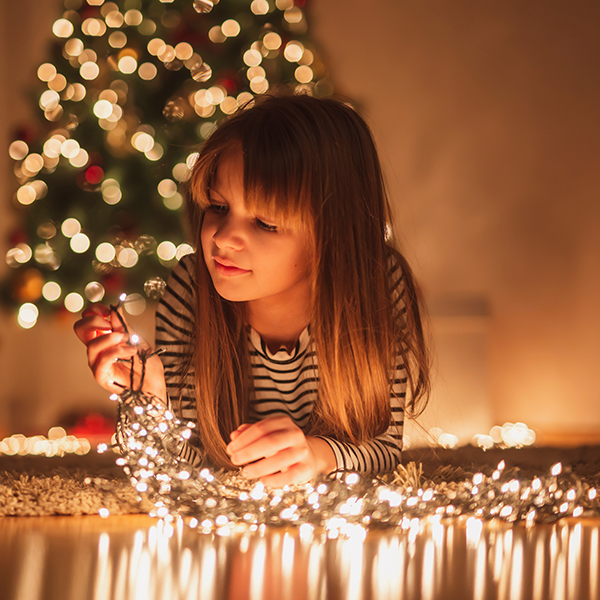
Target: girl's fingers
column 267, row 446
column 91, row 326
column 240, row 429
column 97, row 309
column 107, row 370
column 296, row 474
column 100, row 344
column 282, row 461
column 258, row 430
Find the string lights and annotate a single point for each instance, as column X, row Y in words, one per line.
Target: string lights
column 151, row 437
column 342, row 503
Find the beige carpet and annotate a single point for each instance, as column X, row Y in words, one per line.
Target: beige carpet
column 82, row 485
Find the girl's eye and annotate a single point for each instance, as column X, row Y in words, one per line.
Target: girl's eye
column 266, row 226
column 217, row 208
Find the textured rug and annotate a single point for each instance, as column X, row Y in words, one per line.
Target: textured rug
column 82, row 485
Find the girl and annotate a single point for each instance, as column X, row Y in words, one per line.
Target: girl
column 292, row 338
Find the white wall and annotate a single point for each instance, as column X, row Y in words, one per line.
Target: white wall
column 486, row 118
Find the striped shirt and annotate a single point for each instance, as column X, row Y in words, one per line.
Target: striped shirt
column 285, row 383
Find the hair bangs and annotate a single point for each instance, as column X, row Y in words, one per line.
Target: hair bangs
column 276, row 187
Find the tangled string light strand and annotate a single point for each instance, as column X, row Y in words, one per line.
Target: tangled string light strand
column 151, row 438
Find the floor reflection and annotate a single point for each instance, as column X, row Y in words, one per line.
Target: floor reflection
column 138, row 558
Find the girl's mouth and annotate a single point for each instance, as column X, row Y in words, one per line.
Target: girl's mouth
column 227, row 270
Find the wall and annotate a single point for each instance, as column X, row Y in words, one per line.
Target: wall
column 486, row 118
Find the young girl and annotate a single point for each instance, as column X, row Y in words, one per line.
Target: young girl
column 292, row 338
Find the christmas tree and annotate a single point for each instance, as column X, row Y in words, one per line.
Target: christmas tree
column 129, row 93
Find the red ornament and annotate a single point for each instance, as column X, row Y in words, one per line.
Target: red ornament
column 94, row 175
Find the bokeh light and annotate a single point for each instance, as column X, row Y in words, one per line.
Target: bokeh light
column 74, row 302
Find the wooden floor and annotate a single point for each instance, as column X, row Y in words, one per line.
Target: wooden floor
column 135, row 557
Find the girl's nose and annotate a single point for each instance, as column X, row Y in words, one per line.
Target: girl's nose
column 229, row 235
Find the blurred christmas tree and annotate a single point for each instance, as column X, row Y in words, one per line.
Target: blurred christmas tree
column 129, row 93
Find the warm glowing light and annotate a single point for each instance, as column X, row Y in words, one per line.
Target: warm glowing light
column 133, row 17
column 111, row 191
column 155, row 46
column 93, row 27
column 94, row 291
column 80, row 243
column 70, row 148
column 127, row 257
column 103, row 109
column 28, row 315
column 293, row 15
column 181, row 172
column 259, row 85
column 229, row 105
column 58, row 83
column 105, row 252
column 74, row 47
column 49, row 100
column 142, row 141
column 190, row 161
column 183, row 250
column 135, row 305
column 201, row 72
column 284, row 4
column 79, row 92
column 80, row 159
column 155, row 153
column 46, row 72
column 58, row 443
column 74, row 302
column 293, row 51
column 44, row 254
column 556, row 469
column 230, row 28
column 167, row 54
column 216, row 94
column 33, row 164
column 252, row 58
column 147, row 71
column 272, row 41
column 26, row 194
column 174, row 202
column 114, row 19
column 167, row 188
column 89, row 70
column 20, row 254
column 18, row 150
column 62, row 28
column 259, row 7
column 216, row 35
column 184, row 51
column 304, row 74
column 127, row 65
column 117, row 39
column 166, row 251
column 70, row 227
column 51, row 291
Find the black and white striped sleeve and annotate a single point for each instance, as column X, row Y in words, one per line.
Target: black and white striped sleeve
column 174, row 336
column 383, row 453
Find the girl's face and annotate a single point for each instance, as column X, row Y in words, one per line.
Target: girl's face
column 251, row 257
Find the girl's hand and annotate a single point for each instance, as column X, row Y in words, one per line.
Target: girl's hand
column 280, row 453
column 103, row 334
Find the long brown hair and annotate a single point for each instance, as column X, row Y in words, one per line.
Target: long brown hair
column 314, row 163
